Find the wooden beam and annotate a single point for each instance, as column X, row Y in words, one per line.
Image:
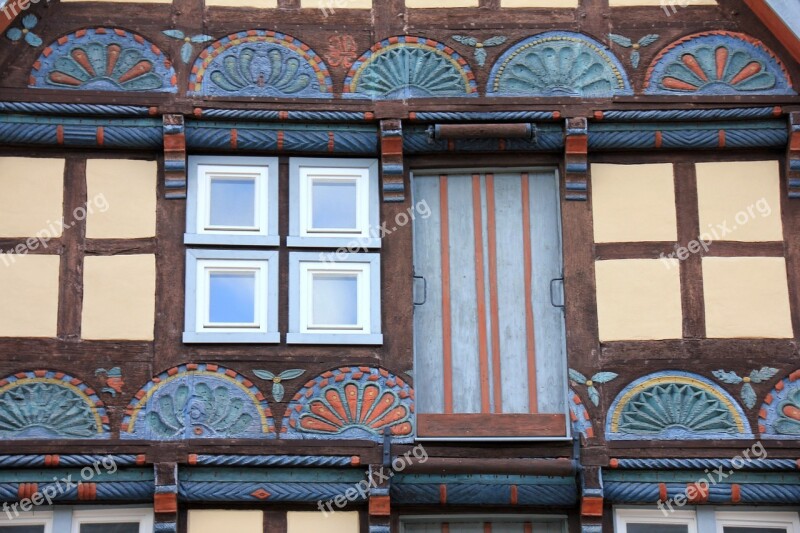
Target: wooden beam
column 471, row 425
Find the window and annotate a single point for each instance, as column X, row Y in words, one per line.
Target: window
column 231, row 296
column 488, row 321
column 654, row 521
column 112, row 521
column 478, row 523
column 334, row 202
column 334, row 301
column 232, row 201
column 30, row 522
column 757, row 522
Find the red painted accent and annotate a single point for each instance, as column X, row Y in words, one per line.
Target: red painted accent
column 736, row 493
column 613, row 463
column 192, row 459
column 141, row 459
column 694, row 66
column 598, row 115
column 480, row 291
column 662, row 492
column 514, row 495
column 331, row 141
column 60, row 134
column 234, row 138
column 280, row 140
column 494, row 306
column 40, row 373
column 447, row 347
column 592, row 506
column 443, row 493
column 722, row 138
column 659, row 139
column 355, row 460
column 165, row 502
column 530, row 335
column 100, row 135
column 697, row 493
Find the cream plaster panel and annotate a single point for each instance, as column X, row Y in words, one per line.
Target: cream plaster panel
column 29, row 289
column 639, row 299
column 214, row 521
column 32, row 195
column 121, row 198
column 746, row 297
column 742, row 196
column 338, row 522
column 119, row 297
column 633, row 203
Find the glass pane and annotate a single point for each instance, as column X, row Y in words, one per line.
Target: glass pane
column 233, row 202
column 749, row 529
column 333, row 204
column 335, row 299
column 657, row 528
column 126, row 527
column 232, row 297
column 22, row 529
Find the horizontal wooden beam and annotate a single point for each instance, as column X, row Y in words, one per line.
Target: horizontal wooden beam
column 468, row 465
column 471, row 425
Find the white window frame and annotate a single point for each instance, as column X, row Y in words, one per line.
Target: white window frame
column 113, row 516
column 265, row 172
column 199, row 263
column 302, row 171
column 29, row 518
column 302, row 266
column 788, row 520
column 625, row 517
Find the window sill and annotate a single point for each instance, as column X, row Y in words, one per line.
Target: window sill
column 214, row 239
column 351, row 243
column 193, row 337
column 333, row 338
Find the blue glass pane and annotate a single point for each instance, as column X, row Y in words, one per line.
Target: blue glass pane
column 131, row 527
column 233, row 202
column 21, row 529
column 777, row 529
column 656, row 528
column 333, row 205
column 335, row 299
column 232, row 297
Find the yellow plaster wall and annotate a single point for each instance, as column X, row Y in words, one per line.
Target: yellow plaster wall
column 31, row 196
column 633, row 203
column 121, row 198
column 742, row 195
column 539, row 3
column 264, row 4
column 119, row 297
column 746, row 297
column 216, row 521
column 309, row 522
column 638, row 299
column 29, row 289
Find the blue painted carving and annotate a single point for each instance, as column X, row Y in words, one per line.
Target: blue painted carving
column 409, row 67
column 351, row 403
column 779, row 416
column 278, row 390
column 755, row 376
column 45, row 404
column 579, row 416
column 625, row 42
column 675, row 405
column 28, row 23
column 680, row 463
column 260, row 63
column 558, row 64
column 103, row 59
column 480, row 47
column 717, row 63
column 198, row 401
column 600, row 377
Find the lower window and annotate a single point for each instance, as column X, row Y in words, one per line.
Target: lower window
column 757, row 522
column 705, row 520
column 120, row 520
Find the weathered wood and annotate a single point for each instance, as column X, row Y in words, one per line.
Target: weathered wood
column 477, row 425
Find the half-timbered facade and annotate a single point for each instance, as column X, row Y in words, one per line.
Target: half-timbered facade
column 285, row 266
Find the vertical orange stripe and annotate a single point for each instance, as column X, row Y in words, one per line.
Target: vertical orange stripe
column 447, row 362
column 528, row 527
column 445, row 527
column 487, row 527
column 480, row 290
column 493, row 304
column 530, row 336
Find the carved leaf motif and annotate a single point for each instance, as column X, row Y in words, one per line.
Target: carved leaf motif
column 463, row 39
column 264, row 374
column 576, row 376
column 594, row 395
column 620, row 40
column 292, row 373
column 647, row 40
column 765, row 373
column 175, row 34
column 727, row 377
column 278, row 391
column 604, row 377
column 495, row 41
column 748, row 395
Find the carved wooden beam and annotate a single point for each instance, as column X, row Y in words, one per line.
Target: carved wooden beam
column 174, row 157
column 576, row 160
column 392, row 172
column 165, row 499
column 793, row 156
column 379, row 498
column 591, row 500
